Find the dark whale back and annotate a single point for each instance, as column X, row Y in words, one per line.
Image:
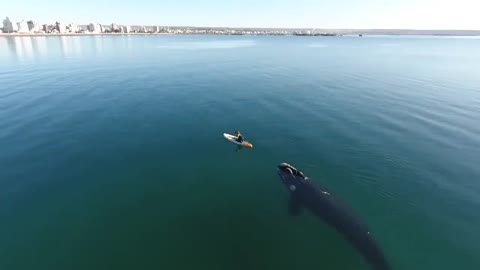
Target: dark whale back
column 325, row 206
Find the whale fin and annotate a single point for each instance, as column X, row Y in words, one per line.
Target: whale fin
column 294, row 206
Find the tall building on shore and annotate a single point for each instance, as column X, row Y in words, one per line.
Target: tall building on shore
column 61, row 27
column 30, row 24
column 126, row 29
column 115, row 28
column 95, row 28
column 47, row 28
column 22, row 27
column 91, row 27
column 8, row 26
column 33, row 26
column 156, row 29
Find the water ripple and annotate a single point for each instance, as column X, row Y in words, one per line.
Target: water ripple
column 204, row 45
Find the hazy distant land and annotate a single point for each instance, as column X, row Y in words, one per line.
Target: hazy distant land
column 361, row 31
column 187, row 30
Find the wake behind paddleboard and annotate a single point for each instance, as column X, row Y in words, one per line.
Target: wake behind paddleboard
column 233, row 139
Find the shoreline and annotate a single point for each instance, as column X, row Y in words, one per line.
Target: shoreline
column 75, row 34
column 366, row 33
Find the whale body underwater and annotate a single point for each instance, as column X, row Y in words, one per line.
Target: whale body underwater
column 306, row 194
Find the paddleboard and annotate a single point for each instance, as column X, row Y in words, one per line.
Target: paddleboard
column 233, row 139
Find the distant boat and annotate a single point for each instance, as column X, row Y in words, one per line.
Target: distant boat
column 360, row 35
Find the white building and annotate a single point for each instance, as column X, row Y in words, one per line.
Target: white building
column 72, row 28
column 125, row 29
column 156, row 29
column 8, row 26
column 61, row 27
column 22, row 27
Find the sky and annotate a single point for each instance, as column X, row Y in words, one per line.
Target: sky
column 333, row 14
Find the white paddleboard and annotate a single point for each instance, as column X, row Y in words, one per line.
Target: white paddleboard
column 233, row 139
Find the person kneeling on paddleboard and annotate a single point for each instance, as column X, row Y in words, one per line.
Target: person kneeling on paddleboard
column 239, row 136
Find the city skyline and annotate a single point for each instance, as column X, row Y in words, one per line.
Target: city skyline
column 341, row 14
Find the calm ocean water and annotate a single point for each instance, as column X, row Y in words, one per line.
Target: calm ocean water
column 112, row 155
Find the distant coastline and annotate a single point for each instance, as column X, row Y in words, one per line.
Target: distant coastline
column 33, row 28
column 148, row 34
column 259, row 31
column 76, row 34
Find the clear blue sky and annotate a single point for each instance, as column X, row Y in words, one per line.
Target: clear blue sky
column 412, row 14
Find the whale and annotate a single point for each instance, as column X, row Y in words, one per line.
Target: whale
column 306, row 194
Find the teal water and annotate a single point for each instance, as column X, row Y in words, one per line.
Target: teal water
column 112, row 155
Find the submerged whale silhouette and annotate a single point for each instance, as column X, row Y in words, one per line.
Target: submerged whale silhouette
column 305, row 194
